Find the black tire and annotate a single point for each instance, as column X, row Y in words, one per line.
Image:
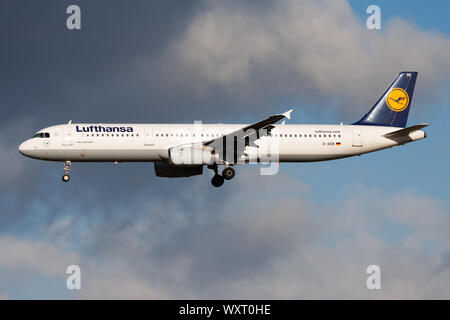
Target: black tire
column 217, row 181
column 66, row 178
column 228, row 173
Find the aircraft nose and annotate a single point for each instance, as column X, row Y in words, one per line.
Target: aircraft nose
column 24, row 148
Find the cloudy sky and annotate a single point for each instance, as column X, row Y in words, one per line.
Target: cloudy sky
column 308, row 232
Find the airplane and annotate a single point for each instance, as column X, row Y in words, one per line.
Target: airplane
column 182, row 150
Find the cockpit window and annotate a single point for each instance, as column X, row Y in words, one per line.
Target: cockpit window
column 42, row 135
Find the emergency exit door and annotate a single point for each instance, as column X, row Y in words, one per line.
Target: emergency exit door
column 148, row 136
column 357, row 138
column 67, row 135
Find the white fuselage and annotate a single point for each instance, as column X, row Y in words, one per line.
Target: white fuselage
column 151, row 142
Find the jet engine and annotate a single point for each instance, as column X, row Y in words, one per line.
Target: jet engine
column 191, row 155
column 167, row 170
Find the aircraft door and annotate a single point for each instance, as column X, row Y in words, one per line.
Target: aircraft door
column 148, row 136
column 67, row 135
column 357, row 138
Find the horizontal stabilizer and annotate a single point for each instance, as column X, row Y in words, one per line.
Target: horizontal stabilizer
column 406, row 131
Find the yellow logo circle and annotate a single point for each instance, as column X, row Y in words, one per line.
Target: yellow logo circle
column 397, row 100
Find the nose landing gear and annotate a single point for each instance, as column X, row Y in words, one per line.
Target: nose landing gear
column 66, row 176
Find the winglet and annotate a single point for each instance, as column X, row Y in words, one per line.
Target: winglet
column 70, row 122
column 287, row 114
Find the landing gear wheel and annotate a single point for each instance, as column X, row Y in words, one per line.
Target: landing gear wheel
column 228, row 173
column 217, row 180
column 66, row 178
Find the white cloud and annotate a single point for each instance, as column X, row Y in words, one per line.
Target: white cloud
column 39, row 256
column 310, row 49
column 255, row 244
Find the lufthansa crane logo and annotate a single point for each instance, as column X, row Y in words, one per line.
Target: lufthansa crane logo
column 397, row 100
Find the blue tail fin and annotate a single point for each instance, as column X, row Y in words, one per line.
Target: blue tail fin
column 393, row 107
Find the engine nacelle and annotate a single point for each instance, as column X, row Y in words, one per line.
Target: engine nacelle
column 167, row 170
column 191, row 154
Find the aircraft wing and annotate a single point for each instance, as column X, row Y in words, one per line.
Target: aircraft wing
column 246, row 136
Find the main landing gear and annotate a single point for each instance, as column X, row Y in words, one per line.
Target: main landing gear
column 217, row 180
column 66, row 176
column 227, row 174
